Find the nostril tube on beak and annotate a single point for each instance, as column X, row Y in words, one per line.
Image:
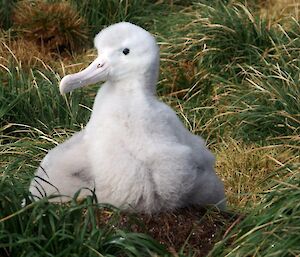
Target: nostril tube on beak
column 100, row 65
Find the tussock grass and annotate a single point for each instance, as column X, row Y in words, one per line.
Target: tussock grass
column 244, row 70
column 233, row 36
column 100, row 13
column 14, row 50
column 271, row 229
column 268, row 104
column 247, row 169
column 64, row 230
column 55, row 26
column 33, row 98
column 278, row 10
column 6, row 7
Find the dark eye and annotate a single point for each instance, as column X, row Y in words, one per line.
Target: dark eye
column 126, row 51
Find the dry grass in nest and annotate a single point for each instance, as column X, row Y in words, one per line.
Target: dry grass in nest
column 55, row 26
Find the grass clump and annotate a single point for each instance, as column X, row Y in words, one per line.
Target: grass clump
column 14, row 51
column 100, row 13
column 278, row 10
column 63, row 230
column 6, row 7
column 246, row 169
column 228, row 59
column 54, row 25
column 33, row 98
column 233, row 36
column 275, row 96
column 245, row 70
column 272, row 229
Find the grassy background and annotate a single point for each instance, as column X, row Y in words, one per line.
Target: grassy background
column 231, row 70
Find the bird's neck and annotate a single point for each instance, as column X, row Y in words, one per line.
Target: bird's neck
column 129, row 93
column 118, row 98
column 133, row 85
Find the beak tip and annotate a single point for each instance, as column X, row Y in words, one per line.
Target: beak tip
column 61, row 92
column 63, row 86
column 61, row 89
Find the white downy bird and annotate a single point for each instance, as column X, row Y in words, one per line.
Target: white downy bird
column 135, row 152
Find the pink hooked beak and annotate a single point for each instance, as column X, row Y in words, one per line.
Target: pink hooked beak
column 97, row 71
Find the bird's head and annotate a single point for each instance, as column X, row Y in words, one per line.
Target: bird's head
column 124, row 51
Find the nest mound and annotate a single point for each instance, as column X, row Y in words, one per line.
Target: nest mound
column 186, row 230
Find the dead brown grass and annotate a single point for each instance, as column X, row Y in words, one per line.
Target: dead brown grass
column 22, row 53
column 26, row 54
